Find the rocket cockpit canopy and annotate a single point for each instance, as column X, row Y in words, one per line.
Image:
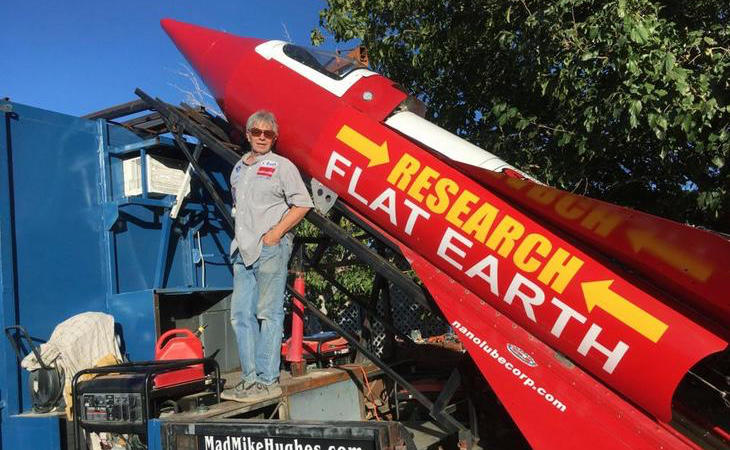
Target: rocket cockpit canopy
column 328, row 63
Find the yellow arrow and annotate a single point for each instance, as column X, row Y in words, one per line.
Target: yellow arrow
column 673, row 256
column 377, row 154
column 599, row 293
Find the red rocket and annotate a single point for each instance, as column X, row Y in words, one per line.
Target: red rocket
column 584, row 317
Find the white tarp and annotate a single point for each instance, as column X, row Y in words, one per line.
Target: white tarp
column 77, row 343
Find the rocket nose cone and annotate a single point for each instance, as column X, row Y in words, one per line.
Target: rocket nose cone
column 215, row 55
column 168, row 25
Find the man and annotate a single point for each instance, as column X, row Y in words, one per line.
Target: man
column 269, row 198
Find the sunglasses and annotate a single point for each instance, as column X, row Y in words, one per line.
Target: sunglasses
column 268, row 134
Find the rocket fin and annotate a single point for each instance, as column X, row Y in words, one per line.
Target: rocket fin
column 553, row 402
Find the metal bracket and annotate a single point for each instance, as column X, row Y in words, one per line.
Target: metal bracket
column 324, row 197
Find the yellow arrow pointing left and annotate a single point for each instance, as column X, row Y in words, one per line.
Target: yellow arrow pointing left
column 377, row 154
column 672, row 255
column 599, row 293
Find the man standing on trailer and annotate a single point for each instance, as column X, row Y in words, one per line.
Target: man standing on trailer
column 269, row 198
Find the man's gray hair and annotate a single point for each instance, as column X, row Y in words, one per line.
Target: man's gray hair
column 264, row 116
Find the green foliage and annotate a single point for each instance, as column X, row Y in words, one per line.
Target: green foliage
column 626, row 100
column 337, row 262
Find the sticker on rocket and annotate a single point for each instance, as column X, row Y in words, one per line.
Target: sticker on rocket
column 572, row 300
column 521, row 355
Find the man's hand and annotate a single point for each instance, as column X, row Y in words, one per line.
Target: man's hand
column 290, row 219
column 271, row 238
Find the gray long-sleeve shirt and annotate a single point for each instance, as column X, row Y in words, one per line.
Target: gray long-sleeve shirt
column 262, row 194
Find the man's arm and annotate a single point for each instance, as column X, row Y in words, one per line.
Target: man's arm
column 289, row 221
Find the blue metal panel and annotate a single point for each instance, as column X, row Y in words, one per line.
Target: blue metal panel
column 135, row 314
column 71, row 242
column 137, row 238
column 57, row 218
column 23, row 432
column 56, row 222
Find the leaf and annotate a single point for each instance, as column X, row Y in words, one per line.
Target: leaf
column 564, row 139
column 634, row 110
column 316, row 37
column 522, row 124
column 632, row 66
column 543, row 87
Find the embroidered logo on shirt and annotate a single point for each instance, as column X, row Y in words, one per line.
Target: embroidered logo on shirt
column 267, row 168
column 266, row 171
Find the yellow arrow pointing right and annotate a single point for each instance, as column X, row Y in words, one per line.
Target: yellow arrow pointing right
column 599, row 293
column 377, row 154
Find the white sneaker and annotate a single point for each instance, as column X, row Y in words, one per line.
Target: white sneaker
column 260, row 392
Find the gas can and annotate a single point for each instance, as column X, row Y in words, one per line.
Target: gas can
column 179, row 343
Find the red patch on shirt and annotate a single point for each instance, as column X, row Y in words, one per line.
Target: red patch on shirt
column 266, row 171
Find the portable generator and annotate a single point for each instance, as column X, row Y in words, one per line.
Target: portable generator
column 122, row 398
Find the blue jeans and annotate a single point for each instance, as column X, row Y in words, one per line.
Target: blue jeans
column 257, row 311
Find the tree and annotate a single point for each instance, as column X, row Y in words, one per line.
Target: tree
column 626, row 100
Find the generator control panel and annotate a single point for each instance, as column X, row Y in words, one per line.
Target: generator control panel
column 112, row 408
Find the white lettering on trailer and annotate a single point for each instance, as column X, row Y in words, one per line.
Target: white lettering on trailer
column 261, row 443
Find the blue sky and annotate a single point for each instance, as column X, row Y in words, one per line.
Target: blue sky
column 79, row 56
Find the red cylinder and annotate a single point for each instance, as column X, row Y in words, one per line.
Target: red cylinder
column 294, row 352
